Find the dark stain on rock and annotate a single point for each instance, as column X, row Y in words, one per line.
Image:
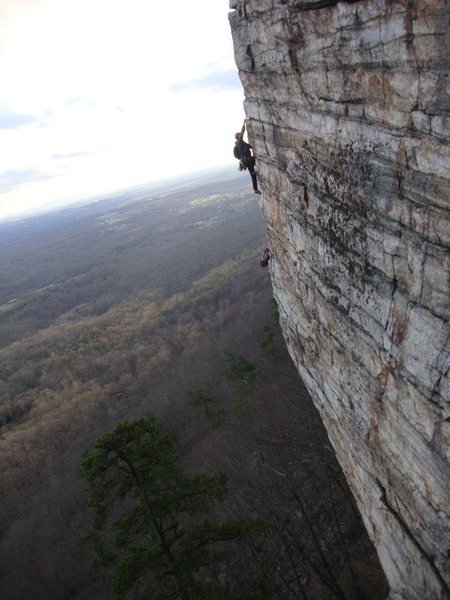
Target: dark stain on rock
column 249, row 53
column 305, row 197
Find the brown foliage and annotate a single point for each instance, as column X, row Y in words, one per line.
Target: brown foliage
column 133, row 323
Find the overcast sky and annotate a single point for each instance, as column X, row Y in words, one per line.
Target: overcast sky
column 98, row 95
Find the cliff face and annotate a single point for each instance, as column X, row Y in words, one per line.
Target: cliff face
column 349, row 114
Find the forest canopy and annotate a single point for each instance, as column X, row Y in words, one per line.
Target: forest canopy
column 157, row 305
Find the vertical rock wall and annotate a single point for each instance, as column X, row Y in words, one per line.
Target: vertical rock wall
column 349, row 113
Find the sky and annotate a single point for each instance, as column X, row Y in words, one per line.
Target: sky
column 101, row 95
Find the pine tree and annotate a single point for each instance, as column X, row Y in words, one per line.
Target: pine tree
column 150, row 525
column 242, row 374
column 207, row 404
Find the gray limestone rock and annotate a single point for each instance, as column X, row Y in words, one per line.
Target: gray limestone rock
column 349, row 114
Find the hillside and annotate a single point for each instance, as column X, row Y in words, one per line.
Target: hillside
column 120, row 308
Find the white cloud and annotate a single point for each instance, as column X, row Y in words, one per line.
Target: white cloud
column 92, row 83
column 215, row 80
column 12, row 120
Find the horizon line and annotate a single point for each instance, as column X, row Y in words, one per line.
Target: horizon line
column 85, row 199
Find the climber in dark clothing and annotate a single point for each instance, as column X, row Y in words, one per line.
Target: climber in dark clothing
column 266, row 255
column 243, row 152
